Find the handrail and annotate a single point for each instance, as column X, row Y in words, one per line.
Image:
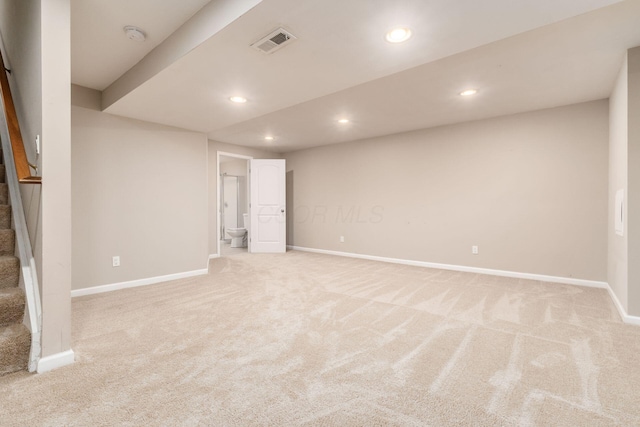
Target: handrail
column 19, row 154
column 29, row 276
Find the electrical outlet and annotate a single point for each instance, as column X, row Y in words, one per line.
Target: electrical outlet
column 474, row 250
column 115, row 262
column 341, row 239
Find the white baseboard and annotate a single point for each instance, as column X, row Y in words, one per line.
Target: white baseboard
column 136, row 283
column 214, row 256
column 626, row 318
column 503, row 273
column 55, row 361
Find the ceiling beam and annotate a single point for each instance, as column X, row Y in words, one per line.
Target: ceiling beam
column 200, row 27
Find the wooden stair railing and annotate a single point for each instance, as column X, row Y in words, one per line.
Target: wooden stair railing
column 23, row 167
column 17, row 171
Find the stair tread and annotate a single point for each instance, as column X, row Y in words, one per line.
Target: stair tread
column 7, row 241
column 12, row 303
column 5, row 216
column 9, row 271
column 15, row 337
column 9, row 292
column 15, row 342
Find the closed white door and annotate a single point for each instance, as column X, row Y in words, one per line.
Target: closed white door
column 267, row 225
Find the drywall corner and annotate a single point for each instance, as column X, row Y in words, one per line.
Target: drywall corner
column 617, row 264
column 633, row 181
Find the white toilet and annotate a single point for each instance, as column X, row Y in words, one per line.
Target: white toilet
column 238, row 235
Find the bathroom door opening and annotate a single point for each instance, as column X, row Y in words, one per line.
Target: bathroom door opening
column 232, row 203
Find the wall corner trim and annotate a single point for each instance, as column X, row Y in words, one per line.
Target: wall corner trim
column 479, row 270
column 55, row 361
column 136, row 283
column 626, row 318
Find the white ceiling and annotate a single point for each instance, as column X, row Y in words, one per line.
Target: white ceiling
column 522, row 56
column 100, row 52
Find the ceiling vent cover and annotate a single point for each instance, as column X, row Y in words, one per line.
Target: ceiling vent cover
column 275, row 40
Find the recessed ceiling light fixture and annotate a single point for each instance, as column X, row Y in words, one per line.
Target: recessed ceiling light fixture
column 398, row 35
column 269, row 138
column 343, row 121
column 134, row 33
column 238, row 99
column 469, row 92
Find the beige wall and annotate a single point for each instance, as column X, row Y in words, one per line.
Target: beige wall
column 36, row 35
column 139, row 192
column 234, row 167
column 624, row 173
column 214, row 148
column 20, row 27
column 529, row 189
column 633, row 168
column 56, row 176
column 618, row 136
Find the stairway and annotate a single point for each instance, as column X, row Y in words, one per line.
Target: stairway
column 15, row 338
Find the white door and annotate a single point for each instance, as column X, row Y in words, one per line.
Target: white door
column 267, row 224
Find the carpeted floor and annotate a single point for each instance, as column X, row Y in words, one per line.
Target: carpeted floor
column 307, row 340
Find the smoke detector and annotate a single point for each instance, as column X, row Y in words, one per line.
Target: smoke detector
column 134, row 33
column 273, row 41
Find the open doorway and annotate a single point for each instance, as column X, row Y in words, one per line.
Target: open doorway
column 233, row 203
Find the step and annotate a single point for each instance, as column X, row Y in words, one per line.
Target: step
column 7, row 241
column 4, row 194
column 9, row 271
column 11, row 306
column 5, row 216
column 15, row 342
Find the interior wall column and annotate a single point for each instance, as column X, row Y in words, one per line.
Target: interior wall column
column 633, row 220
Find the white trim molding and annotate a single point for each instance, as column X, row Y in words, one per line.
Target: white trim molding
column 136, row 283
column 503, row 273
column 626, row 318
column 55, row 361
column 214, row 256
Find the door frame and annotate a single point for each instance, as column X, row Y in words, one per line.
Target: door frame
column 238, row 156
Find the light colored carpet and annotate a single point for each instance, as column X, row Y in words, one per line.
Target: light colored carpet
column 306, row 339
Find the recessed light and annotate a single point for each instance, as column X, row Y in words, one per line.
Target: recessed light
column 468, row 92
column 398, row 35
column 269, row 138
column 343, row 121
column 238, row 99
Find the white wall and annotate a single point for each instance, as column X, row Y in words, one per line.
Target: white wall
column 529, row 189
column 139, row 192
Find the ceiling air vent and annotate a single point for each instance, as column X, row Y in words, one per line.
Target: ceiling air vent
column 274, row 41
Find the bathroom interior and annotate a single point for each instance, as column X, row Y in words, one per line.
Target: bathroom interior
column 234, row 206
